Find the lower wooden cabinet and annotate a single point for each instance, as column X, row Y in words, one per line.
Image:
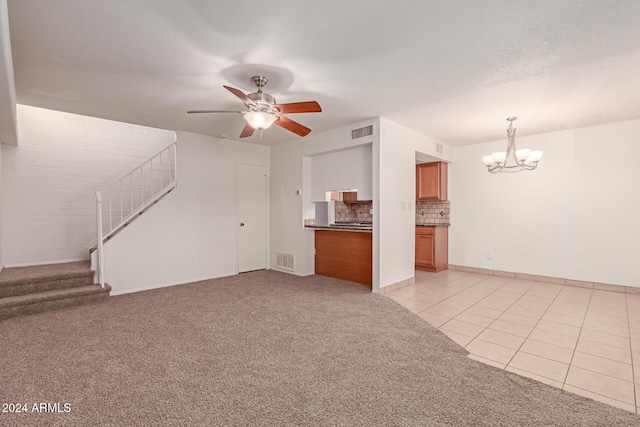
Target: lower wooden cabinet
column 432, row 248
column 345, row 255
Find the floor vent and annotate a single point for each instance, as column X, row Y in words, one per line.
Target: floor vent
column 362, row 132
column 284, row 261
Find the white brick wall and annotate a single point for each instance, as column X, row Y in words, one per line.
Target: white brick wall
column 49, row 179
column 1, row 192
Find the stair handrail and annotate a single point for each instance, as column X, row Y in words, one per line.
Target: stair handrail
column 100, row 266
column 141, row 165
column 171, row 183
column 170, row 174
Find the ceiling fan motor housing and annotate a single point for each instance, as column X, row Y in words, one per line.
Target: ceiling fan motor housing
column 264, row 100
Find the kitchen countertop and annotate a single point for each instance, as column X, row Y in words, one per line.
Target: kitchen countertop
column 361, row 229
column 341, row 228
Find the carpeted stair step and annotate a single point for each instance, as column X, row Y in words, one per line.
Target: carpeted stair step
column 40, row 278
column 57, row 299
column 40, row 288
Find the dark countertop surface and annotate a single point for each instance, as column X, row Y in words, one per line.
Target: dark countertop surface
column 360, row 228
column 340, row 228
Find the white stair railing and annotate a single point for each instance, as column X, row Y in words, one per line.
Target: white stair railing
column 131, row 195
column 100, row 263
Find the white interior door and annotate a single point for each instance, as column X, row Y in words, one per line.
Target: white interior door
column 252, row 217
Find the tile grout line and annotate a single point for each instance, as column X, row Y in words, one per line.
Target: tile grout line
column 581, row 328
column 503, row 312
column 633, row 374
column 553, row 360
column 534, row 326
column 451, row 295
column 475, row 284
column 577, row 341
column 433, row 305
column 483, row 298
column 599, row 394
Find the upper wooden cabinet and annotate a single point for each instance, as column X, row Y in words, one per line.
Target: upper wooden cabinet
column 431, row 181
column 350, row 196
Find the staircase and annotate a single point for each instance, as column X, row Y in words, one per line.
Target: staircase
column 40, row 288
column 129, row 197
column 30, row 290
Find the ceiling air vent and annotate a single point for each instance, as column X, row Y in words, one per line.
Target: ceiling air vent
column 284, row 261
column 362, row 132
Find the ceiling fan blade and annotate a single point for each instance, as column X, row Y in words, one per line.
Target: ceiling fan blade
column 247, row 131
column 213, row 111
column 292, row 126
column 244, row 98
column 299, row 107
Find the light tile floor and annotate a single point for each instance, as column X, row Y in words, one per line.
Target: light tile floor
column 582, row 340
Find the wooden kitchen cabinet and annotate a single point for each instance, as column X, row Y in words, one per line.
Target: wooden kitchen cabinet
column 432, row 248
column 344, row 255
column 431, row 181
column 350, row 196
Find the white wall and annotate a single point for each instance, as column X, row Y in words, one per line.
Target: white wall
column 394, row 231
column 8, row 124
column 291, row 169
column 1, row 219
column 342, row 170
column 393, row 182
column 574, row 217
column 49, row 180
column 196, row 221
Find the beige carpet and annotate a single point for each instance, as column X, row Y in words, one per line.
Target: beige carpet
column 264, row 349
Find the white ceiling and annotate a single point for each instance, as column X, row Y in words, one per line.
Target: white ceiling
column 452, row 70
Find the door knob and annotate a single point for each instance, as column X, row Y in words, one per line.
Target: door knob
column 242, row 224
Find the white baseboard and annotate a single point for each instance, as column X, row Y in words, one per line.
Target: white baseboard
column 115, row 292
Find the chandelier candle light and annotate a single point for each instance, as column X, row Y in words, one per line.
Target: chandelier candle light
column 525, row 158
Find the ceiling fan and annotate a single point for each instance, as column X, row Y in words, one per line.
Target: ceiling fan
column 262, row 110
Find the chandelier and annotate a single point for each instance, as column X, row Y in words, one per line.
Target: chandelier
column 523, row 159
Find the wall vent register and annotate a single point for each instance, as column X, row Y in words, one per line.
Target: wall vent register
column 285, row 261
column 362, row 132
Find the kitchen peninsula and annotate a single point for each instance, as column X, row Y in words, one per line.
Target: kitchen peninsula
column 344, row 251
column 343, row 228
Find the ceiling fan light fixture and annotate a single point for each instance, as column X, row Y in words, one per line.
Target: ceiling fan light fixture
column 260, row 119
column 262, row 110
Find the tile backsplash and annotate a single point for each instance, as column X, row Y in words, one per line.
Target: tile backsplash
column 436, row 212
column 354, row 212
column 433, row 212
